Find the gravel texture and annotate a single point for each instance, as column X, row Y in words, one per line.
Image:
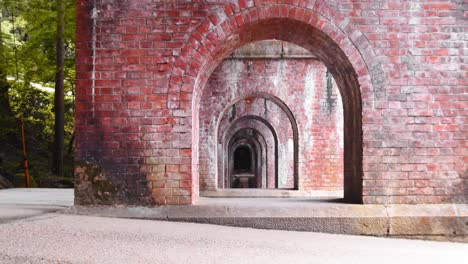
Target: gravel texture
column 56, row 238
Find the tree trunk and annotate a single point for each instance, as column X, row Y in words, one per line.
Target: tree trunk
column 70, row 143
column 59, row 92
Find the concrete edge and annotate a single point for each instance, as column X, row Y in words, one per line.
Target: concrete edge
column 12, row 213
column 271, row 193
column 446, row 223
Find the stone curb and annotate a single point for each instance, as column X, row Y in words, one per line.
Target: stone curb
column 432, row 220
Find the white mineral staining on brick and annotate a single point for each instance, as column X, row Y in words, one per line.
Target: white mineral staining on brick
column 290, row 173
column 307, row 140
column 339, row 121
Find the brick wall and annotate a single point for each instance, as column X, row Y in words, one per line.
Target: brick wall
column 399, row 65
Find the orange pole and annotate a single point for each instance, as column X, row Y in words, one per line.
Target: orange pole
column 25, row 160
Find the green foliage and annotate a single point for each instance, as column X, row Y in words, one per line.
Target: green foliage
column 30, row 26
column 27, row 58
column 35, row 105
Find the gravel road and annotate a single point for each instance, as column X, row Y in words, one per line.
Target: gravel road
column 56, row 238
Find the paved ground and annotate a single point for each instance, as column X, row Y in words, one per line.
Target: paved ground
column 54, row 238
column 37, row 196
column 22, row 203
column 31, row 232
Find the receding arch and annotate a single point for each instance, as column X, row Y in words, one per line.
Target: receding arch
column 288, row 113
column 234, row 129
column 330, row 36
column 256, row 148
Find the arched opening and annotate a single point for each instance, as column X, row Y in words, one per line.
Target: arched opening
column 260, row 112
column 309, row 30
column 243, row 174
column 243, row 160
column 307, row 184
column 246, row 163
column 249, row 86
column 257, row 133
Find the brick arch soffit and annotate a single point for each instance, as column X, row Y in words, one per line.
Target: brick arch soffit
column 277, row 101
column 230, row 135
column 235, row 138
column 194, row 65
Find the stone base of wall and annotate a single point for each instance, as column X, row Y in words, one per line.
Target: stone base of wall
column 272, row 193
column 427, row 221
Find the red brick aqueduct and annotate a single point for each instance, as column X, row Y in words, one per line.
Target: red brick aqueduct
column 143, row 67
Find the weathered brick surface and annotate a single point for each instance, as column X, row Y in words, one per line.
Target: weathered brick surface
column 142, row 66
column 300, row 83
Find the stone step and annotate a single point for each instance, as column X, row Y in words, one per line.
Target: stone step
column 430, row 221
column 278, row 193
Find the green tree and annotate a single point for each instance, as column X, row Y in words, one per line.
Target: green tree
column 4, row 85
column 28, row 71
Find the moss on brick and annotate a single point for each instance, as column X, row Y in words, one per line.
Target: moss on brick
column 92, row 185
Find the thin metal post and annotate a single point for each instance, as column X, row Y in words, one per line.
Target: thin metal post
column 25, row 160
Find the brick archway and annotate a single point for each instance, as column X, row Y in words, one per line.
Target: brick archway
column 268, row 138
column 287, row 112
column 256, row 146
column 316, row 27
